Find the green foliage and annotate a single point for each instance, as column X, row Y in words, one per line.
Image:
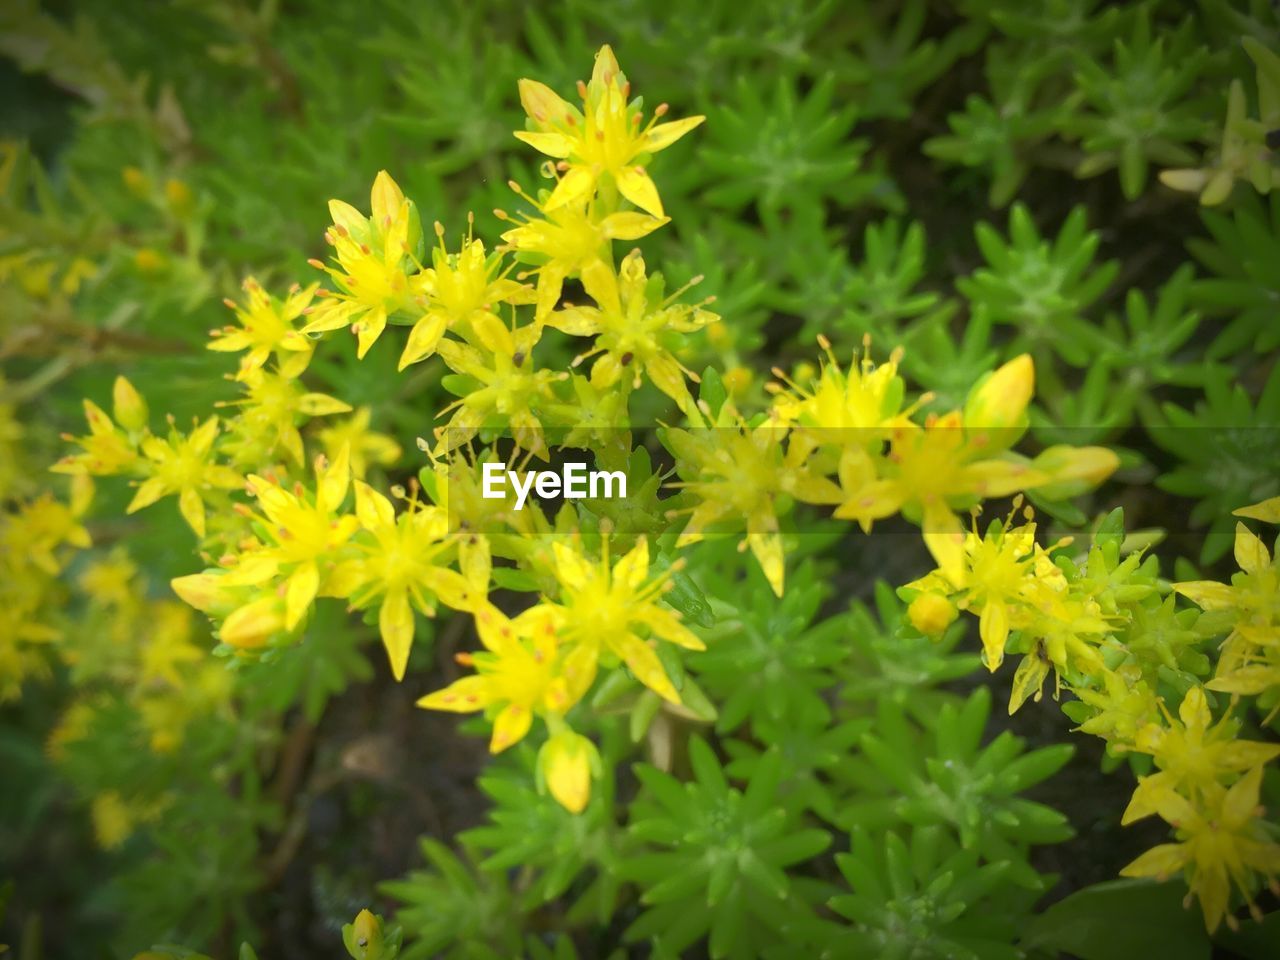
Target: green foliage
column 924, row 897
column 1039, row 288
column 722, row 848
column 1230, row 458
column 947, row 777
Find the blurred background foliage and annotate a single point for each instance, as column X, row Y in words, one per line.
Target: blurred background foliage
column 969, row 179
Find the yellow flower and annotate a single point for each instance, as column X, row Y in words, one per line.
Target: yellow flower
column 1193, row 756
column 109, row 448
column 1125, row 705
column 113, row 821
column 460, row 291
column 511, row 390
column 997, row 577
column 1222, row 843
column 519, row 673
column 366, row 446
column 376, row 274
column 565, row 764
column 169, row 644
column 304, row 531
column 569, row 239
column 1250, row 660
column 605, row 137
column 266, row 328
column 866, row 401
column 738, row 474
column 183, row 465
column 268, row 417
column 403, row 562
column 604, row 607
column 948, row 463
column 633, row 325
column 37, row 533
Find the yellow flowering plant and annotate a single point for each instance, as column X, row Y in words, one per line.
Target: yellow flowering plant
column 680, row 694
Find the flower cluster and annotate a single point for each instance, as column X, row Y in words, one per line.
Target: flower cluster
column 278, row 540
column 1109, row 630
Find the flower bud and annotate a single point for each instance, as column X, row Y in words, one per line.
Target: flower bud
column 179, row 197
column 931, row 613
column 996, row 412
column 564, row 764
column 253, row 624
column 128, row 407
column 1073, row 470
column 135, row 181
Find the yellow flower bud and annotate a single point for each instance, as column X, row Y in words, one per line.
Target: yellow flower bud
column 564, row 763
column 136, row 181
column 1073, row 470
column 736, row 380
column 363, row 937
column 254, row 624
column 997, row 406
column 148, row 261
column 931, row 613
column 128, row 407
column 179, row 197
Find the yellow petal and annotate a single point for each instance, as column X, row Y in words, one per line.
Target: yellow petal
column 510, row 726
column 542, row 104
column 462, row 696
column 332, row 483
column 1268, row 511
column 303, row 584
column 347, row 216
column 1251, row 552
column 644, row 663
column 192, row 509
column 576, row 184
column 606, row 69
column 635, row 184
column 664, row 135
column 1028, row 680
column 993, row 627
column 578, row 671
column 423, row 338
column 1160, row 862
column 1207, row 594
column 601, row 284
column 395, row 623
column 368, row 329
column 667, row 626
column 944, row 536
column 634, row 566
column 386, row 198
column 1194, row 711
column 552, row 144
column 571, row 569
column 374, row 511
column 148, row 493
column 767, row 548
column 630, row 225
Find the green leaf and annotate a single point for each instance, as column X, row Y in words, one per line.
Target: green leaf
column 1120, row 920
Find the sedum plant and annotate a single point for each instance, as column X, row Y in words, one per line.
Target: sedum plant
column 264, row 622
